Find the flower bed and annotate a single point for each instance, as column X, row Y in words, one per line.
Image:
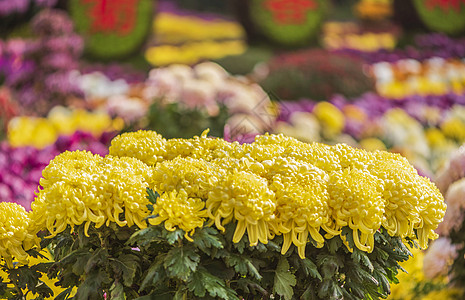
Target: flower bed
column 42, row 132
column 406, row 77
column 184, row 37
column 21, row 167
column 180, row 100
column 204, row 217
column 38, row 70
column 424, row 129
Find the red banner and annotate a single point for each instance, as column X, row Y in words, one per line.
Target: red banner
column 111, row 16
column 445, row 5
column 290, row 11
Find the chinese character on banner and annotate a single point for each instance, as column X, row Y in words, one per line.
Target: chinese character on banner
column 445, row 5
column 111, row 16
column 290, row 11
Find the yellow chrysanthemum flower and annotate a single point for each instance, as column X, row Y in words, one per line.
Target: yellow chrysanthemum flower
column 145, row 145
column 412, row 201
column 302, row 203
column 372, row 144
column 27, row 131
column 349, row 157
column 176, row 208
column 317, row 154
column 246, row 198
column 454, row 128
column 355, row 197
column 331, row 118
column 79, row 187
column 15, row 238
column 41, row 132
column 195, row 176
column 435, row 137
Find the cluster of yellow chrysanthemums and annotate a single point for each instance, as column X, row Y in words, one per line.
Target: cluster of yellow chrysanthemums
column 15, row 238
column 274, row 186
column 42, row 132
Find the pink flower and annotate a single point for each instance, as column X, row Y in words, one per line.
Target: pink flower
column 454, row 170
column 199, row 94
column 130, row 109
column 439, row 257
column 455, row 204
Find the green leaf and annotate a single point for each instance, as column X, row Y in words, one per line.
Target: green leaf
column 124, row 233
column 117, row 291
column 241, row 245
column 34, row 253
column 384, row 282
column 324, row 290
column 284, row 280
column 174, row 236
column 229, row 233
column 355, row 290
column 242, row 265
column 196, row 285
column 336, row 291
column 72, row 257
column 329, row 264
column 24, row 277
column 274, row 247
column 383, row 255
column 218, row 268
column 126, row 265
column 41, row 267
column 98, row 258
column 309, row 293
column 155, row 274
column 310, row 268
column 334, row 244
column 152, row 196
column 202, row 281
column 359, row 256
column 366, row 261
column 251, row 287
column 91, row 288
column 80, row 264
column 156, row 296
column 181, row 294
column 349, row 235
column 146, row 236
column 206, row 238
column 364, row 276
column 180, row 262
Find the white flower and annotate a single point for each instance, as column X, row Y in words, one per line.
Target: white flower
column 96, row 85
column 130, row 109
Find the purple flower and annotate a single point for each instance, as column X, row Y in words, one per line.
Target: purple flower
column 425, row 46
column 51, row 23
column 59, row 82
column 59, row 61
column 18, row 72
column 8, row 7
column 28, row 96
column 72, row 44
column 46, row 3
